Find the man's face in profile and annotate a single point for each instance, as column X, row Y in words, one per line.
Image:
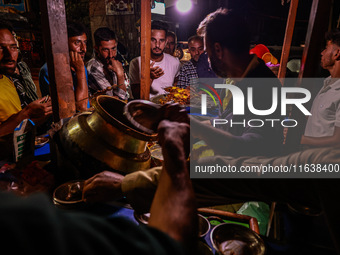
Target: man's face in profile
column 215, row 63
column 78, row 44
column 328, row 55
column 8, row 52
column 158, row 42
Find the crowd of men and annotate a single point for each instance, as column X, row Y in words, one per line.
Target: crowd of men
column 169, row 188
column 102, row 74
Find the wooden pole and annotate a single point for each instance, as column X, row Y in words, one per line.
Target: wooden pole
column 57, row 55
column 317, row 27
column 288, row 38
column 145, row 49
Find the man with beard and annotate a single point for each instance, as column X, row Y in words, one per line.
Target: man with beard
column 77, row 40
column 164, row 68
column 11, row 112
column 171, row 39
column 323, row 126
column 188, row 74
column 229, row 56
column 106, row 74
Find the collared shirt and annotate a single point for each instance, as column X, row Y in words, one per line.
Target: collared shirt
column 98, row 81
column 325, row 110
column 187, row 75
column 24, row 84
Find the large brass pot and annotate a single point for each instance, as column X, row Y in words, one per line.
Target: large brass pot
column 105, row 139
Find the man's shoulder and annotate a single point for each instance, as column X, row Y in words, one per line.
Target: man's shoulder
column 135, row 65
column 91, row 62
column 5, row 79
column 188, row 64
column 135, row 60
column 93, row 65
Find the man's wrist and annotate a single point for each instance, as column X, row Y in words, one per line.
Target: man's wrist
column 120, row 75
column 25, row 113
column 81, row 70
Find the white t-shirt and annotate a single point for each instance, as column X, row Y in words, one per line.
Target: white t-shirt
column 170, row 66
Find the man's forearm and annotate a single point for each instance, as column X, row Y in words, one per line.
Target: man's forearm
column 333, row 140
column 12, row 122
column 121, row 82
column 173, row 209
column 81, row 92
column 320, row 141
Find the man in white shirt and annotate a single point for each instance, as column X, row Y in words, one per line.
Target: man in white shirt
column 164, row 67
column 323, row 126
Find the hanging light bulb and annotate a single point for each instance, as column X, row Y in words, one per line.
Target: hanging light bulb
column 183, row 5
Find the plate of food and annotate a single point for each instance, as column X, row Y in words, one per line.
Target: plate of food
column 40, row 141
column 173, row 95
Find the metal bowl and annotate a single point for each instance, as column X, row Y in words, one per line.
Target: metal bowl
column 142, row 218
column 69, row 194
column 228, row 238
column 203, row 225
column 40, row 141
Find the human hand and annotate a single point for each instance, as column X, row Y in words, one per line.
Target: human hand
column 117, row 67
column 103, row 187
column 174, row 112
column 155, row 72
column 76, row 61
column 174, row 137
column 39, row 110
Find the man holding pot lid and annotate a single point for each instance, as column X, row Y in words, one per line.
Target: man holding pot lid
column 138, row 186
column 45, row 229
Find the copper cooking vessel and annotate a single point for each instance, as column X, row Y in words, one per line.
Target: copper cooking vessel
column 106, row 136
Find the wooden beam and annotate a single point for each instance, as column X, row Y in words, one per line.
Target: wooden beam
column 318, row 24
column 57, row 55
column 288, row 38
column 145, row 49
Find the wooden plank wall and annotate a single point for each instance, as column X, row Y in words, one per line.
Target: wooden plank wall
column 125, row 26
